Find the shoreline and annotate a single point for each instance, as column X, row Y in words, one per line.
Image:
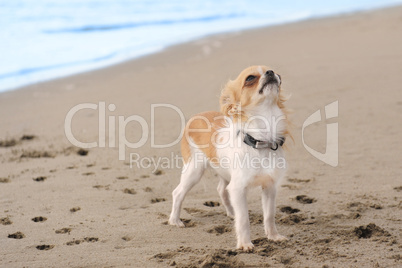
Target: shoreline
column 87, row 208
column 311, row 18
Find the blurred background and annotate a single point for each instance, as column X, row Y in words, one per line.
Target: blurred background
column 46, row 39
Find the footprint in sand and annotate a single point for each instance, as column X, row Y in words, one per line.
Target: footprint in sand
column 211, row 204
column 361, row 207
column 225, row 258
column 4, row 180
column 157, row 200
column 370, row 230
column 17, row 235
column 28, row 137
column 91, row 239
column 398, row 189
column 5, row 221
column 127, row 238
column 63, row 231
column 219, row 229
column 82, row 152
column 44, row 247
column 41, row 178
column 293, row 219
column 305, row 199
column 74, row 242
column 289, row 210
column 79, row 241
column 8, row 143
column 39, row 219
column 158, row 172
column 188, row 223
column 75, row 209
column 129, row 191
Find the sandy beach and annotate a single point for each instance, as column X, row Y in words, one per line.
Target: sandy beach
column 66, row 207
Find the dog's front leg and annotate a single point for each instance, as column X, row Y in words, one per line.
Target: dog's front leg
column 268, row 206
column 238, row 198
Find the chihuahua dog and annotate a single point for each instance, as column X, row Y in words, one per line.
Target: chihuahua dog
column 244, row 144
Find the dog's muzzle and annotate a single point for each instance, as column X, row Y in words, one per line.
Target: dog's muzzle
column 270, row 78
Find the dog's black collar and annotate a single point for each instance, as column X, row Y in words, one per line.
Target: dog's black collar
column 257, row 144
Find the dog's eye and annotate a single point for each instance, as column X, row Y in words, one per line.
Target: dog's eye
column 250, row 78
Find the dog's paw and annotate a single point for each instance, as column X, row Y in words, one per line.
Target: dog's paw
column 176, row 222
column 246, row 247
column 277, row 237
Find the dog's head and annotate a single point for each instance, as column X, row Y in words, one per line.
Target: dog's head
column 256, row 85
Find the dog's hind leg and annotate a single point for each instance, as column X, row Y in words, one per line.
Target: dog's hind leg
column 224, row 194
column 191, row 175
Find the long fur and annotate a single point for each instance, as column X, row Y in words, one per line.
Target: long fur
column 253, row 98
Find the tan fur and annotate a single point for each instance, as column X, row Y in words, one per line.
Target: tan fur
column 234, row 100
column 202, row 128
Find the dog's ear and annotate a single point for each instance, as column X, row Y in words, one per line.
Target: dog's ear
column 230, row 102
column 227, row 101
column 226, row 105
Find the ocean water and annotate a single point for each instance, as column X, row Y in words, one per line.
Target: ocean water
column 46, row 39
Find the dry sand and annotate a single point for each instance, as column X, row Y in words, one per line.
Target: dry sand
column 93, row 210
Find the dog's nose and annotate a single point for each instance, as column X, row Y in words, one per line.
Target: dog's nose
column 270, row 73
